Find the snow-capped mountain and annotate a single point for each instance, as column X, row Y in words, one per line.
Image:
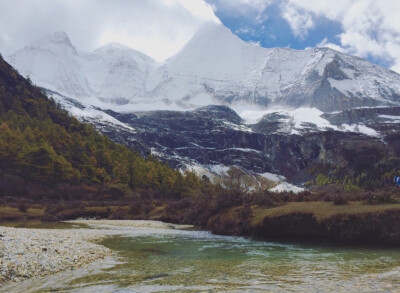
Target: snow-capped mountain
column 215, row 67
column 53, row 62
column 300, row 112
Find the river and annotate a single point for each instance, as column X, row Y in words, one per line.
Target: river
column 171, row 260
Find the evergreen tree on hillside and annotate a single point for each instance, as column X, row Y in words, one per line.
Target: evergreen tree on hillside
column 41, row 142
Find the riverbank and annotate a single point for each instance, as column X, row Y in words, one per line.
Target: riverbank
column 373, row 222
column 150, row 258
column 353, row 223
column 30, row 253
column 27, row 253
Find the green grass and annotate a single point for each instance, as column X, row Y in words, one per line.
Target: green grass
column 320, row 209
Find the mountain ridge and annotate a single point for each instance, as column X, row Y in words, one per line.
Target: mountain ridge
column 214, row 67
column 310, row 100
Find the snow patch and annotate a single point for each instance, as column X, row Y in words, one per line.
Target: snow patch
column 359, row 128
column 238, row 127
column 395, row 119
column 300, row 119
column 287, row 187
column 88, row 112
column 273, row 177
column 218, row 169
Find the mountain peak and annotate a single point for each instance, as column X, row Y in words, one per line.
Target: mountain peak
column 58, row 42
column 215, row 66
column 59, row 37
column 213, row 48
column 116, row 49
column 211, row 32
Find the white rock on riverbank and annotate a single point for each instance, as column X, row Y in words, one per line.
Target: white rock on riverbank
column 26, row 253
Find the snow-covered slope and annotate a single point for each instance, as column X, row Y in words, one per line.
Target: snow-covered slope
column 118, row 73
column 53, row 62
column 215, row 67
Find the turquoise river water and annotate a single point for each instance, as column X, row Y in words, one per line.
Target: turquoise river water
column 169, row 260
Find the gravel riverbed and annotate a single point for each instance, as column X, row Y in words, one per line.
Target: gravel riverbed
column 27, row 253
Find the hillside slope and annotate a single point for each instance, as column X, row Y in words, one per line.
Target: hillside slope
column 43, row 147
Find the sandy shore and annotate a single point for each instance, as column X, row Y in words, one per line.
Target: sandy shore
column 27, row 253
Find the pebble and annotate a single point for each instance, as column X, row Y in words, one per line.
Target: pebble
column 27, row 253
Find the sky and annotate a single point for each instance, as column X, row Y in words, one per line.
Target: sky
column 160, row 28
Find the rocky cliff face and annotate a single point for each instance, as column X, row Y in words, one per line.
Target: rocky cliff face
column 215, row 135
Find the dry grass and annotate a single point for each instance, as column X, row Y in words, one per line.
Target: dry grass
column 104, row 208
column 320, row 209
column 7, row 212
column 157, row 211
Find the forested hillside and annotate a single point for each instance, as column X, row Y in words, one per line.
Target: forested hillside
column 43, row 148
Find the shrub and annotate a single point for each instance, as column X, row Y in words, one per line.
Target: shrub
column 23, row 207
column 381, row 196
column 341, row 199
column 54, row 208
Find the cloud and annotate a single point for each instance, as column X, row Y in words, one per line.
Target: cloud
column 326, row 44
column 249, row 8
column 237, row 5
column 371, row 29
column 327, row 8
column 158, row 28
column 299, row 20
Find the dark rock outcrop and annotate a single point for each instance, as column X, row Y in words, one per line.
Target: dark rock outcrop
column 217, row 135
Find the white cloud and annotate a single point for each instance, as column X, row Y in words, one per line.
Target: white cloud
column 241, row 7
column 158, row 28
column 325, row 43
column 370, row 28
column 237, row 4
column 299, row 20
column 255, row 43
column 331, row 10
